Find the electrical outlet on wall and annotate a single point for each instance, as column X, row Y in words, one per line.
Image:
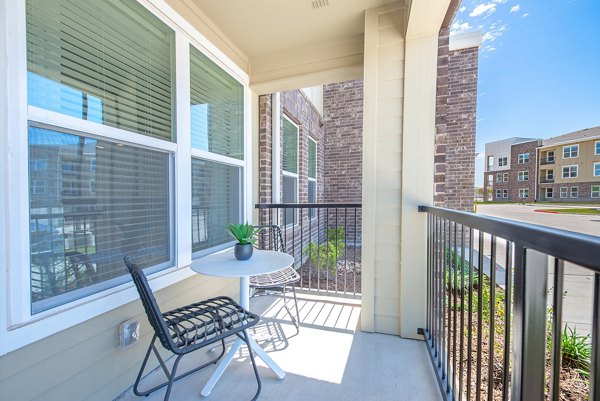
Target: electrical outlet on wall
column 129, row 333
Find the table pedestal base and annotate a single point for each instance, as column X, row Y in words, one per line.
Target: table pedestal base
column 230, row 355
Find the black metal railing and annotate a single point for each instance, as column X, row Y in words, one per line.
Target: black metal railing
column 490, row 331
column 547, row 160
column 546, row 180
column 325, row 240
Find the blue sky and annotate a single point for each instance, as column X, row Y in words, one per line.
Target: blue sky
column 539, row 67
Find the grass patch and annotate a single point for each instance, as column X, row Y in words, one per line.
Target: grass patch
column 580, row 210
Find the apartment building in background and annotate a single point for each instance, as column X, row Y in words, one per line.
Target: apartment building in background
column 564, row 168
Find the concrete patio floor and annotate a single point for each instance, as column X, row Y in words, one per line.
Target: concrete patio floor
column 328, row 358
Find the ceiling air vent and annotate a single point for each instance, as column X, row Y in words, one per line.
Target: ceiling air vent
column 316, row 4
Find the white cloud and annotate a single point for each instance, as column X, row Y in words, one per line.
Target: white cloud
column 499, row 1
column 459, row 26
column 494, row 32
column 462, row 9
column 483, row 9
column 515, row 9
column 525, row 15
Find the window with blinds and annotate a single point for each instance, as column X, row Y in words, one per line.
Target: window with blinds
column 106, row 61
column 312, row 158
column 102, row 200
column 217, row 108
column 216, row 202
column 290, row 147
column 312, row 175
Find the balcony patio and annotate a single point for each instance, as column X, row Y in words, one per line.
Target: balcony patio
column 328, row 358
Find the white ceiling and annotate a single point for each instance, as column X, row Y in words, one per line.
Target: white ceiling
column 264, row 27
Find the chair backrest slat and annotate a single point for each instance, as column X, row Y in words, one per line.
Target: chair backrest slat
column 150, row 305
column 270, row 238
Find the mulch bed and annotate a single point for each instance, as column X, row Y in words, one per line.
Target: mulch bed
column 345, row 280
column 573, row 385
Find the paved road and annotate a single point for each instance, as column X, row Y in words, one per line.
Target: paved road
column 578, row 281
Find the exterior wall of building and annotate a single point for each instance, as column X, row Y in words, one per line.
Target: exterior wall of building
column 461, row 125
column 456, row 105
column 506, row 185
column 577, row 189
column 343, row 119
column 528, row 168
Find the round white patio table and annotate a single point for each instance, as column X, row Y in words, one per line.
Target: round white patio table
column 224, row 264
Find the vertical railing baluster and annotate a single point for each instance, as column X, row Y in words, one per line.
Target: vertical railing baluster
column 336, row 250
column 507, row 320
column 454, row 286
column 354, row 253
column 345, row 251
column 529, row 328
column 462, row 310
column 492, row 319
column 480, row 284
column 559, row 268
column 436, row 317
column 470, row 310
column 429, row 272
column 595, row 362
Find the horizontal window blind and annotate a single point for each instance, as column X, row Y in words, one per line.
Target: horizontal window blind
column 216, row 202
column 107, row 61
column 217, row 108
column 312, row 159
column 289, row 190
column 290, row 147
column 102, row 200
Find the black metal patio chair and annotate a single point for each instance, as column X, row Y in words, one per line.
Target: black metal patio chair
column 190, row 328
column 270, row 238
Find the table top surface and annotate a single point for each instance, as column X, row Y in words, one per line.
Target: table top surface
column 224, row 264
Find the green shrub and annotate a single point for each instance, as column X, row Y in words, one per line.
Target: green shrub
column 325, row 255
column 455, row 267
column 576, row 351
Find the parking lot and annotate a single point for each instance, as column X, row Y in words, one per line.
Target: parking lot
column 578, row 281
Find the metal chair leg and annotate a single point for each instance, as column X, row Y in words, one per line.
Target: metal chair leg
column 251, row 353
column 296, row 319
column 170, row 375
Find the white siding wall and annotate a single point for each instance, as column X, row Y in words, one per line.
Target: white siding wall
column 382, row 158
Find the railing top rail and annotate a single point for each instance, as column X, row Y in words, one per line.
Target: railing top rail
column 578, row 248
column 306, row 205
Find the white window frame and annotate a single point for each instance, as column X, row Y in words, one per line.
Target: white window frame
column 523, row 158
column 505, row 177
column 499, row 177
column 310, row 139
column 571, row 149
column 499, row 193
column 574, row 189
column 596, row 169
column 522, row 192
column 503, row 161
column 18, row 327
column 597, row 148
column 523, row 175
column 289, row 174
column 550, row 174
column 564, row 191
column 549, row 158
column 505, row 193
column 596, row 193
column 570, row 167
column 551, row 192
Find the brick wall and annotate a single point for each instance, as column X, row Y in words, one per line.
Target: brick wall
column 343, row 109
column 456, row 105
column 530, row 167
column 441, row 119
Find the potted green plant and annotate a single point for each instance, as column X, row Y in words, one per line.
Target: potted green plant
column 245, row 237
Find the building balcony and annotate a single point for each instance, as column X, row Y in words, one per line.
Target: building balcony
column 546, row 180
column 328, row 357
column 547, row 160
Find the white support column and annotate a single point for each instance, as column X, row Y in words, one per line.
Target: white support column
column 183, row 160
column 276, row 148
